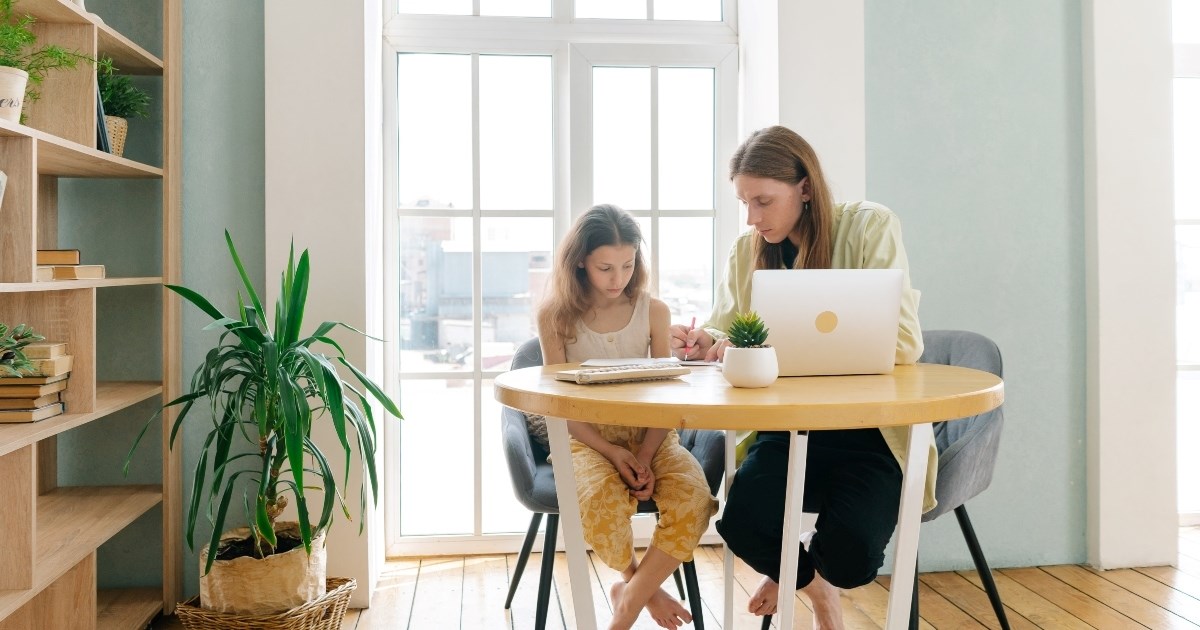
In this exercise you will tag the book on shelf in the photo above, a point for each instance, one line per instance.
(30, 403)
(32, 415)
(31, 391)
(45, 350)
(58, 366)
(58, 257)
(32, 380)
(102, 141)
(78, 272)
(68, 272)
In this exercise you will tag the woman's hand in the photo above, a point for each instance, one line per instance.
(689, 343)
(717, 351)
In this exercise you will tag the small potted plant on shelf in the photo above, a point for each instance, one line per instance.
(24, 63)
(749, 361)
(267, 387)
(121, 100)
(12, 358)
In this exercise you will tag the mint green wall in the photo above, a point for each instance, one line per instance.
(117, 223)
(974, 137)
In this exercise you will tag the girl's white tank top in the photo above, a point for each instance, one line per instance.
(631, 341)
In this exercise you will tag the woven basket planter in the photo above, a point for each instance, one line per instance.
(324, 613)
(117, 128)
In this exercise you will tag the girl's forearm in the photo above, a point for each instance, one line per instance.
(586, 433)
(650, 443)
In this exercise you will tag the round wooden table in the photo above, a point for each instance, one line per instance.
(913, 396)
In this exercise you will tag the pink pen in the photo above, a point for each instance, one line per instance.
(687, 350)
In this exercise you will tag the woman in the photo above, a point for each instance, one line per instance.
(852, 477)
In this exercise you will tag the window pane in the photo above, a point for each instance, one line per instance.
(434, 131)
(621, 137)
(516, 264)
(437, 467)
(439, 7)
(707, 10)
(436, 329)
(1186, 19)
(501, 511)
(515, 8)
(1187, 283)
(1187, 147)
(685, 267)
(614, 9)
(515, 125)
(1187, 392)
(685, 138)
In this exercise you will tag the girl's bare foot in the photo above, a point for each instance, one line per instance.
(664, 609)
(765, 599)
(826, 604)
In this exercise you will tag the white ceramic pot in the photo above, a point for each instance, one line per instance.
(750, 367)
(12, 92)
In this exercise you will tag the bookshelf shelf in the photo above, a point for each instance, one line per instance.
(63, 285)
(71, 524)
(126, 55)
(111, 396)
(127, 608)
(64, 158)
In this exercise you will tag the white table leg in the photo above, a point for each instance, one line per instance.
(730, 464)
(793, 509)
(572, 524)
(908, 527)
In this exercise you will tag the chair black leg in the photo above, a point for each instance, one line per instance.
(914, 611)
(545, 584)
(766, 622)
(679, 585)
(522, 558)
(693, 589)
(981, 565)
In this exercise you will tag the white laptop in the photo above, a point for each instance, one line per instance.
(825, 322)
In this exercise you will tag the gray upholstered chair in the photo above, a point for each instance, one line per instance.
(967, 450)
(533, 484)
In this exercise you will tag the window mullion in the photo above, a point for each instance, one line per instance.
(654, 235)
(477, 296)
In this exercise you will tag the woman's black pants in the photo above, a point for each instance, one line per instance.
(851, 481)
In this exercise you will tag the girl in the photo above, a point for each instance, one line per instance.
(852, 478)
(598, 307)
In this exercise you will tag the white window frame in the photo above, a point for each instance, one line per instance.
(1187, 66)
(573, 47)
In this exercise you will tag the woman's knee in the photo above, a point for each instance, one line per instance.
(846, 560)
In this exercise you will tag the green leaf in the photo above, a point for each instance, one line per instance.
(237, 262)
(374, 389)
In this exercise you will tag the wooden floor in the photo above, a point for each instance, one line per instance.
(467, 593)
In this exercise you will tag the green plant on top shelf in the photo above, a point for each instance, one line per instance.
(12, 359)
(119, 95)
(19, 49)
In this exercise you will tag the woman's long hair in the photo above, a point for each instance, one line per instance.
(781, 154)
(567, 300)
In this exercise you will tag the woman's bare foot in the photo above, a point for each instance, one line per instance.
(664, 609)
(826, 604)
(765, 599)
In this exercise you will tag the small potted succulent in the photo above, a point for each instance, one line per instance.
(749, 361)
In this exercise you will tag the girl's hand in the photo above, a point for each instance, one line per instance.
(632, 472)
(647, 490)
(689, 343)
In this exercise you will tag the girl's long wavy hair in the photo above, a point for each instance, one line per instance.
(781, 154)
(567, 300)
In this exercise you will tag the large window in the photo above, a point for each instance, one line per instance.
(505, 120)
(1186, 21)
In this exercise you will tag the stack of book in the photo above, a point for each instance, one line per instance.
(63, 264)
(39, 395)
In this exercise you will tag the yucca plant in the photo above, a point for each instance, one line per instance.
(267, 386)
(747, 330)
(12, 359)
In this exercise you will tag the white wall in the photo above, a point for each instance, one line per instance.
(1128, 190)
(323, 183)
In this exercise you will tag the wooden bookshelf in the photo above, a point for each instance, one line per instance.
(48, 552)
